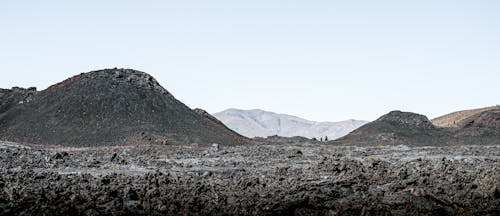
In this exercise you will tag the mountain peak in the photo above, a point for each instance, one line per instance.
(115, 76)
(406, 118)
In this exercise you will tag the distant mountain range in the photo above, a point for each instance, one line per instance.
(260, 123)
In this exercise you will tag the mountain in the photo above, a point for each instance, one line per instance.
(480, 128)
(406, 128)
(456, 119)
(260, 123)
(106, 107)
(397, 128)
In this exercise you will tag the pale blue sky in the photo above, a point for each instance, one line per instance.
(322, 60)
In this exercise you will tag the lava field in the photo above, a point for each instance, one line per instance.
(275, 179)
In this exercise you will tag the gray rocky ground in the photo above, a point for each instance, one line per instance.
(300, 179)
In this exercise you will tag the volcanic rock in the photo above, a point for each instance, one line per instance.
(275, 139)
(481, 128)
(106, 107)
(16, 95)
(406, 119)
(286, 179)
(487, 119)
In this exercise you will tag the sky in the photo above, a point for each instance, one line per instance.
(320, 60)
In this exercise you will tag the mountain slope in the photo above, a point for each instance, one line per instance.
(405, 128)
(480, 128)
(397, 128)
(106, 107)
(456, 119)
(260, 123)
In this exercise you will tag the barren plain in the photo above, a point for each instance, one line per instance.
(291, 179)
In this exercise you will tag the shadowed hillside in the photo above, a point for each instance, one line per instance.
(106, 107)
(397, 128)
(404, 128)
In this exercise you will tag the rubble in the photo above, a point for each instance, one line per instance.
(290, 179)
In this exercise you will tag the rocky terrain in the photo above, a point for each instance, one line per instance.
(291, 179)
(115, 142)
(106, 107)
(260, 123)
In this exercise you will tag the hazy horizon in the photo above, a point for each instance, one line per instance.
(318, 60)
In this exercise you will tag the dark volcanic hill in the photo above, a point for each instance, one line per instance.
(106, 107)
(405, 128)
(397, 128)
